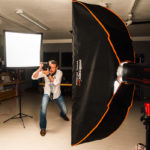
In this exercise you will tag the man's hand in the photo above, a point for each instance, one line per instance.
(37, 72)
(41, 66)
(47, 72)
(50, 72)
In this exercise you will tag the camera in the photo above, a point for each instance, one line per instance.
(46, 65)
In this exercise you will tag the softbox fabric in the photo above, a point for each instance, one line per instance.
(100, 43)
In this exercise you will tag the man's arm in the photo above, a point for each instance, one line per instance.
(51, 78)
(36, 75)
(56, 80)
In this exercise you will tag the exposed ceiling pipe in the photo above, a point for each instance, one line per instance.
(103, 4)
(135, 3)
(129, 20)
(131, 13)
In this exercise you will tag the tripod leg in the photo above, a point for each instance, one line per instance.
(14, 117)
(22, 122)
(25, 115)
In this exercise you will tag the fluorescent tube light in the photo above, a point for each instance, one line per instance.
(24, 15)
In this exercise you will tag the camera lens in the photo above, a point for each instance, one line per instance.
(45, 66)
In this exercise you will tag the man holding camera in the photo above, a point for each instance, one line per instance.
(52, 76)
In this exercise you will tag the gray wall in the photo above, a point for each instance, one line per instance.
(66, 47)
(143, 48)
(45, 48)
(57, 47)
(139, 47)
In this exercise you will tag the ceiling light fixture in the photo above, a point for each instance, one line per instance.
(27, 17)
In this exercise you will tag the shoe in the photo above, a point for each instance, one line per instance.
(43, 132)
(66, 118)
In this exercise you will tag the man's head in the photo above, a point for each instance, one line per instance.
(53, 65)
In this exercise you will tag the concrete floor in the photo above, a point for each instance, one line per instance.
(14, 137)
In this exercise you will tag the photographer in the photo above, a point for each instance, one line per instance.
(52, 76)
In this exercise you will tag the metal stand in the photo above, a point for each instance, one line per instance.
(20, 115)
(147, 124)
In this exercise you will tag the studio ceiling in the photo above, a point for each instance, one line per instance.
(57, 16)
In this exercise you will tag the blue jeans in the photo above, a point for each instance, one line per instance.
(45, 100)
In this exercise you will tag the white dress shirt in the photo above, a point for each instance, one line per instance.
(51, 87)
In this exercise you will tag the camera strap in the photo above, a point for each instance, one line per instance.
(51, 96)
(53, 74)
(51, 93)
(51, 86)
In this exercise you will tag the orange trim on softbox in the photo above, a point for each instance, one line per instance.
(85, 137)
(108, 35)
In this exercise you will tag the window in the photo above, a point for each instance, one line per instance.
(67, 76)
(51, 56)
(66, 59)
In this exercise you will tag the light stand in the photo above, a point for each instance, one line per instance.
(20, 115)
(146, 119)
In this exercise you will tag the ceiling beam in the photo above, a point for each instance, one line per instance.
(57, 41)
(141, 38)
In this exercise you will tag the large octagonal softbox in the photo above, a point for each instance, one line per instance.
(100, 43)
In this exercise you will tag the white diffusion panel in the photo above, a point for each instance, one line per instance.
(22, 50)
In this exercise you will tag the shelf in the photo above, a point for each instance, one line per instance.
(7, 83)
(7, 94)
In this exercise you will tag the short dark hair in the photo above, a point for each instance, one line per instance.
(53, 62)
